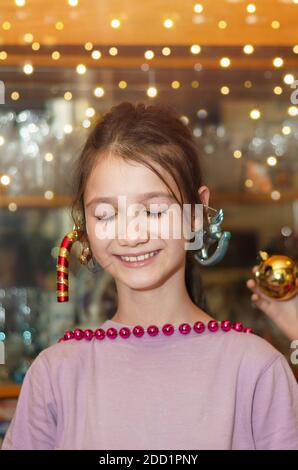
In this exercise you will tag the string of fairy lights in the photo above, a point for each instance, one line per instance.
(168, 23)
(225, 62)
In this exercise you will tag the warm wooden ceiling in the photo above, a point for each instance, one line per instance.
(142, 28)
(142, 22)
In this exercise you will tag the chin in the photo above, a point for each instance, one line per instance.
(145, 282)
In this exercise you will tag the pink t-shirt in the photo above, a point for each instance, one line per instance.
(222, 390)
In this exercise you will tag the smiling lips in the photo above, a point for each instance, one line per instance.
(137, 261)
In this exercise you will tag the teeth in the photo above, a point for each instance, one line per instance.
(139, 258)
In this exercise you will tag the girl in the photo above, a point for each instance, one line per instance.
(162, 373)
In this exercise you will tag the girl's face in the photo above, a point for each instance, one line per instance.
(137, 223)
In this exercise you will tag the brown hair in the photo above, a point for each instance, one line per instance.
(149, 135)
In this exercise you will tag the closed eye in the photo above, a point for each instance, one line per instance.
(152, 214)
(156, 214)
(105, 219)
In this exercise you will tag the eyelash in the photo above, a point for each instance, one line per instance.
(154, 214)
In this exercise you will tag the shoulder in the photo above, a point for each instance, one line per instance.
(57, 358)
(253, 362)
(249, 349)
(66, 351)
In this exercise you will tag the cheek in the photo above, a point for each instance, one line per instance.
(89, 228)
(98, 236)
(99, 247)
(171, 226)
(91, 231)
(174, 254)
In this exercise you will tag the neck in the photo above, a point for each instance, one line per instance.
(166, 303)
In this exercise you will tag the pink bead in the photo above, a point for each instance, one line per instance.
(213, 326)
(138, 331)
(152, 330)
(124, 332)
(199, 327)
(226, 325)
(88, 334)
(237, 326)
(68, 335)
(248, 330)
(184, 328)
(112, 333)
(168, 329)
(61, 340)
(78, 334)
(100, 334)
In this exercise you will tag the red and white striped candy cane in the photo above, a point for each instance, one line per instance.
(63, 264)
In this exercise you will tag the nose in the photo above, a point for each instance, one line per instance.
(135, 234)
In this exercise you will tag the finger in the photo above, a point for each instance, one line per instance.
(251, 284)
(255, 268)
(261, 302)
(259, 296)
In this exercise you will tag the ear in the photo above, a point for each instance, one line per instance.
(204, 195)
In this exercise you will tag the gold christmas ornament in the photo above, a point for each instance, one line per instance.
(86, 255)
(277, 276)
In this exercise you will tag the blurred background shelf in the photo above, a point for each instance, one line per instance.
(9, 390)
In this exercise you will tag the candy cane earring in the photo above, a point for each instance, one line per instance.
(62, 266)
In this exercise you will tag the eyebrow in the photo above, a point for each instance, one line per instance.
(141, 197)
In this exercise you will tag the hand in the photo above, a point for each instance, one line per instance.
(284, 313)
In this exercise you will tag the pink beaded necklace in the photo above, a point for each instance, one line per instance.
(153, 330)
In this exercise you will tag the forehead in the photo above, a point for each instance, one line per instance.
(112, 176)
